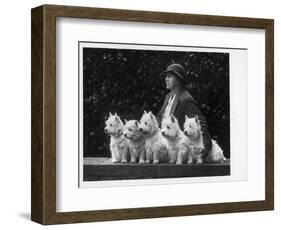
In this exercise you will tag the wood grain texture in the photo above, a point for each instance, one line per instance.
(37, 116)
(269, 116)
(43, 160)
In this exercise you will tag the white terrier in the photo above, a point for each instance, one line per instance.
(216, 154)
(192, 129)
(178, 147)
(155, 144)
(135, 140)
(119, 146)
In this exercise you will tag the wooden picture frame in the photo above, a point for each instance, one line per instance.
(43, 160)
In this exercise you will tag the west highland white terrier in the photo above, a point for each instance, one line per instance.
(216, 154)
(155, 144)
(119, 146)
(178, 147)
(192, 129)
(135, 139)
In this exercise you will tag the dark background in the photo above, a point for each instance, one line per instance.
(130, 81)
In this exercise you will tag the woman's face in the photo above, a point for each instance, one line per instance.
(171, 81)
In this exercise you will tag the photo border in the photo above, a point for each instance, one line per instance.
(156, 181)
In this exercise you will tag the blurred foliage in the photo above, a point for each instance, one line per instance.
(131, 81)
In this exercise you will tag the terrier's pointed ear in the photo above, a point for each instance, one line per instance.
(144, 112)
(119, 120)
(125, 120)
(150, 114)
(197, 119)
(115, 114)
(173, 118)
(110, 114)
(186, 117)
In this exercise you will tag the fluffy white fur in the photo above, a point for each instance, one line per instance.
(192, 129)
(155, 144)
(216, 153)
(135, 140)
(119, 146)
(177, 142)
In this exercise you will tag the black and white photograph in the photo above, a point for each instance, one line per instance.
(150, 113)
(145, 114)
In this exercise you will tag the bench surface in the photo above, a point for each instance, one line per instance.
(101, 168)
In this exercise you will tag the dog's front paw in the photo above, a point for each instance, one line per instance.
(199, 161)
(133, 161)
(124, 161)
(189, 161)
(179, 162)
(141, 161)
(155, 161)
(147, 161)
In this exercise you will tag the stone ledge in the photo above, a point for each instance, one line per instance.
(104, 169)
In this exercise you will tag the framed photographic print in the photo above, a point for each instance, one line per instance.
(139, 114)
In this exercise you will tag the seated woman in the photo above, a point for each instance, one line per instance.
(179, 103)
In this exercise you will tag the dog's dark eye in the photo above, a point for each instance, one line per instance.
(145, 123)
(110, 124)
(130, 129)
(168, 127)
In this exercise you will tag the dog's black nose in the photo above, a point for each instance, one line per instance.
(105, 130)
(185, 132)
(140, 129)
(163, 132)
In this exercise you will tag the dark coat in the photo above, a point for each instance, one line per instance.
(185, 104)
